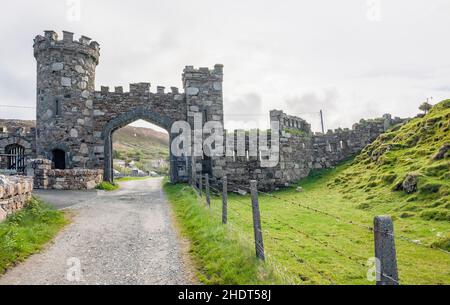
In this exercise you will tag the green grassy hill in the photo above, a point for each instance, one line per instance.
(407, 169)
(140, 145)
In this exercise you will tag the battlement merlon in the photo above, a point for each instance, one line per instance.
(139, 89)
(50, 42)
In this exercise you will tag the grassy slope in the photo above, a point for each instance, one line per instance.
(27, 231)
(382, 166)
(317, 249)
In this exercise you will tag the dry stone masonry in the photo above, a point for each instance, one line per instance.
(72, 143)
(15, 191)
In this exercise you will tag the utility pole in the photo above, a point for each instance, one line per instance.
(321, 121)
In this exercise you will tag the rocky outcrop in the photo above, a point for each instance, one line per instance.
(443, 152)
(409, 185)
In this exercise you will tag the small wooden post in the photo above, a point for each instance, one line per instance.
(259, 245)
(208, 195)
(385, 251)
(224, 201)
(200, 185)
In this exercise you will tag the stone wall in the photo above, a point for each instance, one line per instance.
(69, 179)
(15, 191)
(302, 152)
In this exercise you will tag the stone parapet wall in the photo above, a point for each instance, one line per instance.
(74, 179)
(64, 179)
(15, 191)
(301, 153)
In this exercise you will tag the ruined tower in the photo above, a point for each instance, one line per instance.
(65, 93)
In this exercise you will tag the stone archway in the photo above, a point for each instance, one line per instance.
(125, 119)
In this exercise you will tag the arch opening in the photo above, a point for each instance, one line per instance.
(125, 119)
(140, 149)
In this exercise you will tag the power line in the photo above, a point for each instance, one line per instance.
(19, 106)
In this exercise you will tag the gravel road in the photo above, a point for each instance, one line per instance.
(120, 237)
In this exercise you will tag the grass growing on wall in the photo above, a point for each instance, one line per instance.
(221, 257)
(27, 231)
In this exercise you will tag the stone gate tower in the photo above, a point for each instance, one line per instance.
(65, 92)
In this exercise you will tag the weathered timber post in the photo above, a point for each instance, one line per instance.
(208, 195)
(259, 245)
(385, 254)
(224, 200)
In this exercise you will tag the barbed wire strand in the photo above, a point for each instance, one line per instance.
(269, 258)
(315, 270)
(338, 218)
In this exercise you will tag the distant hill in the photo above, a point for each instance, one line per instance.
(140, 145)
(11, 124)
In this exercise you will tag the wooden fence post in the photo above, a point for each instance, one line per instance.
(224, 200)
(259, 245)
(385, 254)
(208, 195)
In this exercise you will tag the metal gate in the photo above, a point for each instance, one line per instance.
(14, 159)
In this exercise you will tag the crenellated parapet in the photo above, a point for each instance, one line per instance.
(290, 122)
(84, 45)
(138, 90)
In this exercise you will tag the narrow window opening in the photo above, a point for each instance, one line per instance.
(57, 107)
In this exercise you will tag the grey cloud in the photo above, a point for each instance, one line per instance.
(313, 102)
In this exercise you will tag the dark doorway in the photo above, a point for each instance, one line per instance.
(16, 157)
(59, 158)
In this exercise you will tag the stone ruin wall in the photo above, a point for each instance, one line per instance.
(15, 191)
(305, 151)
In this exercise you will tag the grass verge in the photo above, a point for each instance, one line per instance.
(220, 255)
(124, 179)
(27, 231)
(107, 186)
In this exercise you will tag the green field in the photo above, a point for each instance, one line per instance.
(310, 248)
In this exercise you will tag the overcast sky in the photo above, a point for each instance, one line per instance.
(344, 57)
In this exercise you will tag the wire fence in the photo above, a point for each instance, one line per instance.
(385, 256)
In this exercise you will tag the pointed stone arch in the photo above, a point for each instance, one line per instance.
(122, 121)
